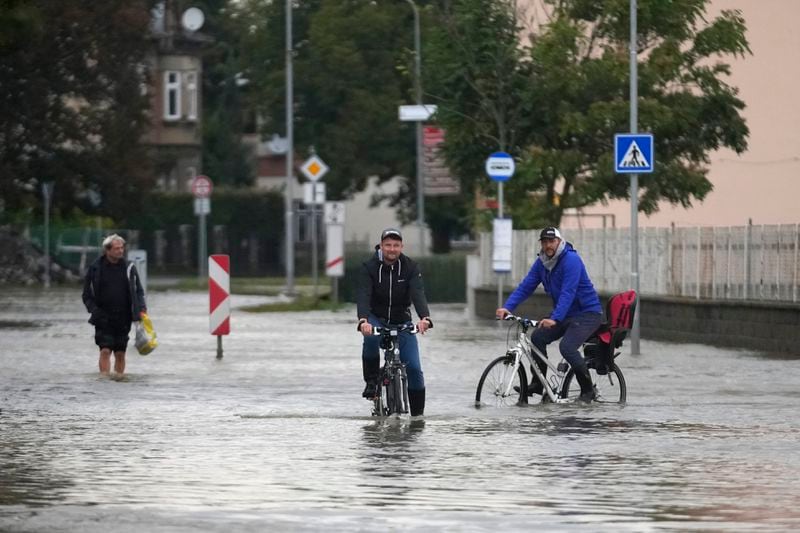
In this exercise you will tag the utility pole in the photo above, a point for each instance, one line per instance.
(47, 194)
(289, 199)
(634, 111)
(420, 167)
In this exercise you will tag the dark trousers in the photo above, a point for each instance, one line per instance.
(572, 331)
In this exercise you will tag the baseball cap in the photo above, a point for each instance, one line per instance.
(393, 233)
(550, 233)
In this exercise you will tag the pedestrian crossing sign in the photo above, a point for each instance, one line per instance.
(633, 153)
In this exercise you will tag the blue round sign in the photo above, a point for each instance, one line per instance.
(500, 166)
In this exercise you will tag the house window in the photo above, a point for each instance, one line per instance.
(172, 95)
(191, 95)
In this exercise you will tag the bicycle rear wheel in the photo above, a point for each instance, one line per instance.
(501, 385)
(610, 388)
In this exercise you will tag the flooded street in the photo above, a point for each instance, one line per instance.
(275, 436)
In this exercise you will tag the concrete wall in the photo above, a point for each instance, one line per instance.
(763, 326)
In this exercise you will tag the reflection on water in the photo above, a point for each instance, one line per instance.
(276, 437)
(390, 445)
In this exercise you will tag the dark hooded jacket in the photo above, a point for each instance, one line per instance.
(387, 291)
(92, 284)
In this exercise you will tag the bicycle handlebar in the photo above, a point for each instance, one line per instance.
(394, 331)
(526, 322)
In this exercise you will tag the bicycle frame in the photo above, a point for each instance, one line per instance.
(393, 369)
(533, 355)
(505, 378)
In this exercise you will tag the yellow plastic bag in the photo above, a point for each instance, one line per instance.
(146, 340)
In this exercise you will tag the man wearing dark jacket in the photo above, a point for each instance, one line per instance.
(389, 283)
(576, 314)
(113, 294)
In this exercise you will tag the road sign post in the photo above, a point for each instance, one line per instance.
(418, 114)
(201, 189)
(314, 168)
(334, 245)
(47, 195)
(500, 167)
(634, 155)
(219, 289)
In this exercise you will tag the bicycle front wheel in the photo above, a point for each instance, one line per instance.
(389, 395)
(502, 385)
(379, 407)
(610, 388)
(399, 395)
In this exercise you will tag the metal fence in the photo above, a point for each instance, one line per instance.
(737, 263)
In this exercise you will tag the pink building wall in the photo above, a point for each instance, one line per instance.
(764, 182)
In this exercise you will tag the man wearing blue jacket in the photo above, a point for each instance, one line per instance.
(576, 314)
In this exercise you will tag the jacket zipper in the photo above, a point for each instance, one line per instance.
(389, 312)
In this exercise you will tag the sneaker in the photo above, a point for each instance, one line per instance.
(370, 391)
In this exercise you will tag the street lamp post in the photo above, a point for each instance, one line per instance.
(418, 84)
(634, 117)
(289, 199)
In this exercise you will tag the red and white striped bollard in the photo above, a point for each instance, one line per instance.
(219, 289)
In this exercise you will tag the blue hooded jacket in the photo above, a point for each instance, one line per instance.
(568, 284)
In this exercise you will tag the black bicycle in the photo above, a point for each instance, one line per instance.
(392, 398)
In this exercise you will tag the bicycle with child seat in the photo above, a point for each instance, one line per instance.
(392, 397)
(505, 381)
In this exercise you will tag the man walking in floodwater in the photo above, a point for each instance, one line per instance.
(113, 294)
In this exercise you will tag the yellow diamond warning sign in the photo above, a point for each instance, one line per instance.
(314, 168)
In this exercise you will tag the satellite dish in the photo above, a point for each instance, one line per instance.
(192, 19)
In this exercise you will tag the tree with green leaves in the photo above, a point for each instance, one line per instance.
(226, 158)
(353, 67)
(570, 82)
(477, 74)
(347, 84)
(72, 107)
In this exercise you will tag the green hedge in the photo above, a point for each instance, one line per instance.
(244, 213)
(445, 277)
(241, 211)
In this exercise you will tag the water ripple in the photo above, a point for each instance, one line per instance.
(276, 437)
